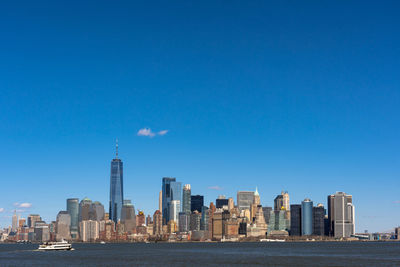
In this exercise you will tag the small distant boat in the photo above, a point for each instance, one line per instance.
(63, 245)
(102, 242)
(272, 240)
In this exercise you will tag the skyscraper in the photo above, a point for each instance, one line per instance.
(285, 200)
(341, 215)
(171, 190)
(116, 188)
(186, 198)
(306, 217)
(319, 220)
(160, 201)
(278, 203)
(245, 199)
(63, 226)
(196, 203)
(14, 222)
(73, 211)
(221, 201)
(174, 209)
(84, 209)
(128, 216)
(295, 219)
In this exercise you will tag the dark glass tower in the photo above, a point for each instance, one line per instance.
(116, 188)
(171, 190)
(197, 203)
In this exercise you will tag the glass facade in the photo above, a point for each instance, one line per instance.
(295, 219)
(116, 190)
(171, 190)
(197, 203)
(73, 211)
(186, 200)
(306, 217)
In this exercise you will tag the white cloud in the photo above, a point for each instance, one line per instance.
(215, 187)
(1, 209)
(25, 205)
(396, 202)
(146, 132)
(163, 132)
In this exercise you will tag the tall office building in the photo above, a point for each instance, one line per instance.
(128, 217)
(221, 201)
(186, 198)
(278, 203)
(319, 220)
(14, 226)
(285, 200)
(231, 204)
(116, 188)
(306, 217)
(89, 230)
(204, 218)
(96, 211)
(73, 211)
(157, 223)
(174, 209)
(32, 219)
(63, 226)
(84, 209)
(196, 203)
(245, 199)
(277, 221)
(295, 219)
(341, 215)
(171, 190)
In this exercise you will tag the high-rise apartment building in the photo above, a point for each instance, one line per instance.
(295, 220)
(157, 223)
(341, 215)
(116, 188)
(196, 203)
(245, 199)
(73, 211)
(89, 230)
(186, 198)
(306, 217)
(184, 221)
(171, 190)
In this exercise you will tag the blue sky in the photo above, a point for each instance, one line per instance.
(283, 95)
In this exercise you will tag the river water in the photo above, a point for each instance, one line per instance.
(207, 254)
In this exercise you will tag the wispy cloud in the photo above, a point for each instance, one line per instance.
(396, 202)
(215, 187)
(163, 132)
(1, 209)
(149, 133)
(25, 205)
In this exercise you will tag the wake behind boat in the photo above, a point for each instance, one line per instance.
(63, 245)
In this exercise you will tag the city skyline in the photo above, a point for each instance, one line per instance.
(297, 97)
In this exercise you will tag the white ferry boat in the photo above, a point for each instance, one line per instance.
(63, 245)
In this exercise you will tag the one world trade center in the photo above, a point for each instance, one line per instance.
(116, 188)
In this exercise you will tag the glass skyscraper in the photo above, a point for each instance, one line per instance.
(73, 211)
(171, 190)
(116, 188)
(307, 217)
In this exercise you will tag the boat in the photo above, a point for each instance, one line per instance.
(62, 245)
(272, 240)
(102, 242)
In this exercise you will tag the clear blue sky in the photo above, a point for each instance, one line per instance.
(296, 95)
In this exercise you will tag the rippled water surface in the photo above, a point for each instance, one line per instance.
(207, 254)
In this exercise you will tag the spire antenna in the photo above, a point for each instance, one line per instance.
(116, 146)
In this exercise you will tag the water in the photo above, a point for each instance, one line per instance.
(207, 254)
